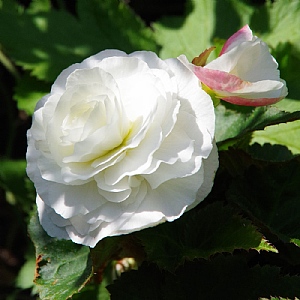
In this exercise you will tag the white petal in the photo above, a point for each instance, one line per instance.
(107, 212)
(166, 203)
(91, 62)
(260, 89)
(137, 159)
(174, 164)
(108, 228)
(69, 201)
(210, 166)
(152, 60)
(48, 219)
(256, 63)
(80, 225)
(195, 100)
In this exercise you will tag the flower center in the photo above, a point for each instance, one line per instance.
(94, 127)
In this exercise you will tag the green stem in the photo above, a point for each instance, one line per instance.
(7, 63)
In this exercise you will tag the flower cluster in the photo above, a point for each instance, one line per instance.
(124, 142)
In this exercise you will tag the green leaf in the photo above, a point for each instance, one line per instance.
(266, 246)
(296, 242)
(37, 6)
(39, 45)
(62, 267)
(26, 274)
(28, 91)
(188, 35)
(198, 234)
(204, 21)
(46, 42)
(270, 195)
(12, 176)
(234, 122)
(269, 152)
(13, 179)
(223, 277)
(283, 17)
(282, 134)
(106, 19)
(288, 58)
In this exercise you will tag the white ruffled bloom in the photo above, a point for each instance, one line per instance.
(122, 142)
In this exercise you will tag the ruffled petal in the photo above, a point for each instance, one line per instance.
(242, 35)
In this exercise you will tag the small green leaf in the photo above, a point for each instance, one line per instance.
(26, 274)
(62, 267)
(296, 242)
(266, 246)
(198, 234)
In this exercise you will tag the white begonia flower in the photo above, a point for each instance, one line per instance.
(122, 142)
(245, 73)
